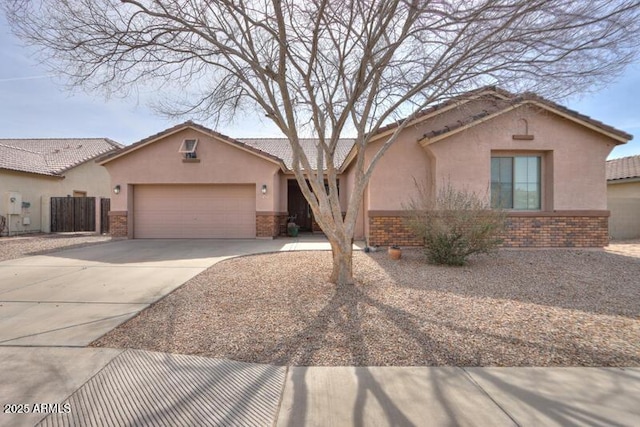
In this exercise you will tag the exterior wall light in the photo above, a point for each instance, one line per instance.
(116, 189)
(264, 188)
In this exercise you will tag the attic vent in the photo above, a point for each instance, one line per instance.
(188, 148)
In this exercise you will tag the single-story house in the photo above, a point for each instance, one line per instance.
(623, 197)
(542, 162)
(34, 170)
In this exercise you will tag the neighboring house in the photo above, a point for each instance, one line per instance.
(34, 170)
(541, 161)
(623, 197)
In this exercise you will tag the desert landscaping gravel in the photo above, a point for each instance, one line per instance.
(512, 308)
(21, 246)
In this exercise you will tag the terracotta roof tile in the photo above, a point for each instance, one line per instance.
(491, 100)
(625, 167)
(51, 156)
(281, 148)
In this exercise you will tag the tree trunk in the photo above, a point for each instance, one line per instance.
(342, 273)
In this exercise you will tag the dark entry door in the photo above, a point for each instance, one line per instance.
(298, 206)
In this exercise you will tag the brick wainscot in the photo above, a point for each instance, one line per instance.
(118, 224)
(271, 224)
(523, 229)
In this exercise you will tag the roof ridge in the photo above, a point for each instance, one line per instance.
(21, 149)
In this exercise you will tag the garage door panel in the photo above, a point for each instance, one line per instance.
(194, 211)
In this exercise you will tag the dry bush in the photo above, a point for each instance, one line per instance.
(455, 224)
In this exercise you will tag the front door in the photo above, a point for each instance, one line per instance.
(298, 206)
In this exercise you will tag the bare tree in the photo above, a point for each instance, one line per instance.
(327, 67)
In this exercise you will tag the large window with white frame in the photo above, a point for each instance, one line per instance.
(515, 182)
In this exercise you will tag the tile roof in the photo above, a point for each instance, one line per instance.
(280, 147)
(277, 149)
(625, 167)
(495, 91)
(476, 105)
(436, 120)
(177, 128)
(51, 156)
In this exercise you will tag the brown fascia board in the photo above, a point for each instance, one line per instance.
(189, 124)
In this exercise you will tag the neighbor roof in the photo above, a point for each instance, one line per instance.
(623, 168)
(51, 156)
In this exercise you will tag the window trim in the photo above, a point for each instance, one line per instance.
(541, 184)
(183, 147)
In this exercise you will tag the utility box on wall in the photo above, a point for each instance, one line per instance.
(13, 203)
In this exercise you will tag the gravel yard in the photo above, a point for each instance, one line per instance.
(513, 308)
(21, 246)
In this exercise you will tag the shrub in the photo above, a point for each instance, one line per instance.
(454, 224)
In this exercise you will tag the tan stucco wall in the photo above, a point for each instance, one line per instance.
(573, 161)
(88, 177)
(624, 203)
(220, 163)
(392, 183)
(624, 189)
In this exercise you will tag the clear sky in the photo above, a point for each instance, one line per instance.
(34, 104)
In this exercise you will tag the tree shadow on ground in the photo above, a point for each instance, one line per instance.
(586, 280)
(343, 315)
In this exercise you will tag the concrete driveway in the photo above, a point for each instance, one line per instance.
(72, 297)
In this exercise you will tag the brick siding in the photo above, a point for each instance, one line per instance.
(391, 230)
(522, 230)
(556, 231)
(118, 224)
(270, 224)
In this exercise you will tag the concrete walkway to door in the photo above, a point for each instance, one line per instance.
(72, 297)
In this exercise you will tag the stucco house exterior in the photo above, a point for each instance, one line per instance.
(34, 170)
(542, 162)
(623, 197)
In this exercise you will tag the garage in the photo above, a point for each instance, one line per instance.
(194, 211)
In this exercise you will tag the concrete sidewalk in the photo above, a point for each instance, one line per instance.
(109, 387)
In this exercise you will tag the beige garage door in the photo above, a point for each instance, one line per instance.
(194, 211)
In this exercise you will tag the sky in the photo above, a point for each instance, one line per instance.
(35, 104)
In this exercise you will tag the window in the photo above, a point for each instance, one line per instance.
(188, 148)
(515, 182)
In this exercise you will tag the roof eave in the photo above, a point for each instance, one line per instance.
(49, 175)
(446, 106)
(198, 128)
(620, 138)
(623, 180)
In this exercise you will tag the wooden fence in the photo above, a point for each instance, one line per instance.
(73, 214)
(105, 206)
